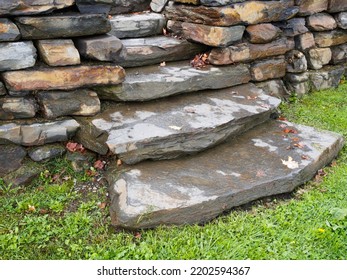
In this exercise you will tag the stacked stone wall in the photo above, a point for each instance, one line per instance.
(57, 56)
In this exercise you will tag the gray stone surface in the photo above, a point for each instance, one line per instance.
(321, 22)
(17, 108)
(3, 90)
(62, 26)
(196, 189)
(339, 54)
(17, 55)
(11, 158)
(94, 6)
(305, 41)
(296, 62)
(152, 82)
(318, 57)
(216, 3)
(46, 152)
(126, 6)
(158, 5)
(137, 25)
(81, 102)
(24, 175)
(154, 50)
(327, 77)
(330, 38)
(341, 20)
(293, 27)
(267, 69)
(177, 126)
(274, 88)
(37, 133)
(299, 89)
(8, 30)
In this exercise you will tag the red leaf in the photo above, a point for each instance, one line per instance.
(99, 165)
(75, 147)
(290, 130)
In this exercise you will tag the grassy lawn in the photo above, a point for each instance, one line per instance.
(63, 215)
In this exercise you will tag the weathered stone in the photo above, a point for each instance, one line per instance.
(305, 41)
(339, 54)
(3, 90)
(58, 52)
(94, 6)
(30, 7)
(274, 88)
(250, 12)
(64, 26)
(24, 175)
(248, 52)
(17, 55)
(293, 27)
(337, 6)
(82, 102)
(214, 36)
(17, 108)
(137, 25)
(318, 57)
(263, 33)
(216, 3)
(297, 78)
(101, 48)
(158, 5)
(193, 2)
(154, 50)
(126, 6)
(198, 188)
(341, 20)
(46, 152)
(63, 77)
(330, 38)
(321, 22)
(11, 158)
(296, 62)
(8, 30)
(152, 82)
(268, 69)
(20, 93)
(36, 134)
(328, 77)
(299, 89)
(181, 125)
(309, 7)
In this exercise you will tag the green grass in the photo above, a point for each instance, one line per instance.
(67, 223)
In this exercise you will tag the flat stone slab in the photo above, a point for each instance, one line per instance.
(8, 30)
(137, 25)
(177, 126)
(196, 189)
(152, 82)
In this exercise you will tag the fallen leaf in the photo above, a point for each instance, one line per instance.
(199, 61)
(295, 139)
(164, 32)
(163, 64)
(290, 130)
(290, 163)
(91, 172)
(99, 165)
(283, 126)
(305, 157)
(119, 162)
(137, 235)
(251, 97)
(43, 211)
(175, 127)
(299, 145)
(31, 208)
(102, 205)
(75, 147)
(281, 118)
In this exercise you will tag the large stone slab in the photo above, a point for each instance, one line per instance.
(17, 108)
(154, 50)
(37, 133)
(30, 7)
(8, 30)
(137, 25)
(330, 38)
(177, 126)
(250, 12)
(196, 189)
(63, 77)
(152, 82)
(215, 36)
(17, 55)
(62, 26)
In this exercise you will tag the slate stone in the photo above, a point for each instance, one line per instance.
(318, 57)
(327, 77)
(337, 6)
(3, 90)
(152, 82)
(321, 22)
(238, 13)
(82, 102)
(263, 33)
(58, 52)
(62, 26)
(296, 62)
(341, 20)
(11, 158)
(8, 30)
(25, 175)
(274, 88)
(101, 48)
(176, 126)
(17, 108)
(216, 3)
(126, 6)
(158, 5)
(46, 152)
(137, 25)
(154, 50)
(339, 54)
(330, 38)
(305, 41)
(30, 7)
(17, 55)
(268, 69)
(293, 27)
(94, 6)
(37, 133)
(215, 36)
(64, 78)
(310, 7)
(198, 188)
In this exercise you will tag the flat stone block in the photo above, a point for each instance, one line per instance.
(310, 7)
(293, 27)
(296, 62)
(268, 69)
(126, 6)
(17, 108)
(339, 54)
(321, 22)
(263, 33)
(17, 55)
(318, 57)
(337, 6)
(8, 31)
(198, 188)
(330, 38)
(305, 41)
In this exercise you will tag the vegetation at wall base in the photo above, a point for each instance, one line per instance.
(64, 215)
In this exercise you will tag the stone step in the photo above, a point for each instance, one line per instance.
(177, 125)
(153, 82)
(270, 159)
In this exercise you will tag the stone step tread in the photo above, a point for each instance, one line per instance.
(153, 82)
(178, 125)
(197, 188)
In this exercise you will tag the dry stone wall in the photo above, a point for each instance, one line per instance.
(59, 59)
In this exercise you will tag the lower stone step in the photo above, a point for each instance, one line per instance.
(272, 158)
(178, 125)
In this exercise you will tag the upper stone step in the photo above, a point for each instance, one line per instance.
(153, 82)
(175, 126)
(271, 159)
